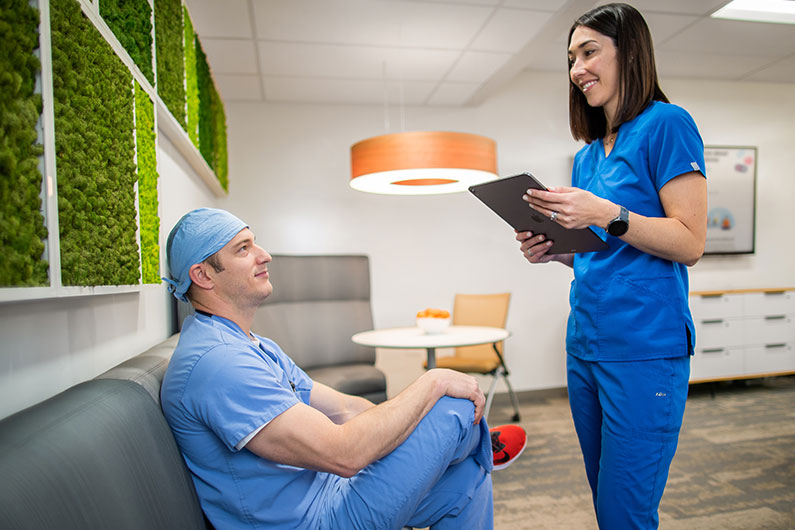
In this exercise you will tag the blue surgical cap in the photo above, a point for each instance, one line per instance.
(197, 236)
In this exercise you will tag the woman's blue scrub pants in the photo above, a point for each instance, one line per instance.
(439, 477)
(627, 416)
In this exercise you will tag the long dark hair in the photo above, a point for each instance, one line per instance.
(637, 74)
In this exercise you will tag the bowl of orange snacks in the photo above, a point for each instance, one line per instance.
(433, 321)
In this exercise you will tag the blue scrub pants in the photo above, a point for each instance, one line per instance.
(440, 477)
(627, 416)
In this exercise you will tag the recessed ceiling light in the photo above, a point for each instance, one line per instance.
(776, 11)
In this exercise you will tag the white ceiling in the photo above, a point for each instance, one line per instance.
(452, 52)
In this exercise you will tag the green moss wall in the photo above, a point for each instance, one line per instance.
(95, 153)
(147, 186)
(206, 119)
(105, 137)
(220, 163)
(191, 81)
(212, 119)
(131, 23)
(170, 57)
(22, 227)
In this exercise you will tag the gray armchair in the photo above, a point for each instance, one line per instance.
(318, 303)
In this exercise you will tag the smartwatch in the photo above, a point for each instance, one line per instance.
(619, 226)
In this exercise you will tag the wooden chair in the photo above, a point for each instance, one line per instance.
(487, 359)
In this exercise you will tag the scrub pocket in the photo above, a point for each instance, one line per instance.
(640, 318)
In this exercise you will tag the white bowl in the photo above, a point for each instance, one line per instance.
(433, 326)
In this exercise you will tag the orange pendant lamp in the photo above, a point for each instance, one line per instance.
(422, 162)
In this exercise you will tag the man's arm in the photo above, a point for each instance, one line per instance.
(304, 436)
(338, 407)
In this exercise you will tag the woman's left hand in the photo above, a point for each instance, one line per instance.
(572, 207)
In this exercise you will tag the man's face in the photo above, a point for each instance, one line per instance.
(245, 279)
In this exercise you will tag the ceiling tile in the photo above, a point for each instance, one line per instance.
(549, 58)
(212, 18)
(371, 22)
(509, 30)
(357, 62)
(453, 94)
(238, 87)
(663, 26)
(344, 91)
(683, 7)
(536, 5)
(781, 71)
(466, 2)
(444, 52)
(231, 56)
(706, 66)
(477, 67)
(730, 37)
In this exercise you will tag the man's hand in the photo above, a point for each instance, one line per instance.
(458, 385)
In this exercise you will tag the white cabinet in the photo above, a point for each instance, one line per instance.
(742, 334)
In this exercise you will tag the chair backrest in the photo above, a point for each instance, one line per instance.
(480, 310)
(318, 303)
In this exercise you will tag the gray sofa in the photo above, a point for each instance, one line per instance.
(99, 455)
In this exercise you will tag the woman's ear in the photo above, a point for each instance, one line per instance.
(198, 275)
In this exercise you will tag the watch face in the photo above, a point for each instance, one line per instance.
(618, 227)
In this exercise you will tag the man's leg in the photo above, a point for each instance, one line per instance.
(440, 472)
(462, 498)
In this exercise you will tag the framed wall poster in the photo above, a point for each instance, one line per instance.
(731, 199)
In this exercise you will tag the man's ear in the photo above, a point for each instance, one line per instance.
(198, 275)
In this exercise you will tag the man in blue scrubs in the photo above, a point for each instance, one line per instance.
(269, 447)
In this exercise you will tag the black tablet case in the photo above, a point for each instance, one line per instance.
(504, 197)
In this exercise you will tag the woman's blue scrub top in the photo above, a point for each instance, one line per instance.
(626, 304)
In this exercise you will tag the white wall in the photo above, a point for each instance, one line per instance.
(290, 166)
(50, 345)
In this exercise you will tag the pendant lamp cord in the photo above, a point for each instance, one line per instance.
(386, 98)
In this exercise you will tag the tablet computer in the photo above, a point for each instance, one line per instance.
(504, 197)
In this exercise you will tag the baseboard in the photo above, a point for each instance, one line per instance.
(525, 396)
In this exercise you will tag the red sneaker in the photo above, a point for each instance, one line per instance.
(507, 443)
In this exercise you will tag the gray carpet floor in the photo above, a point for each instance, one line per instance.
(734, 469)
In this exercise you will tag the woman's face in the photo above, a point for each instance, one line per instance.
(593, 67)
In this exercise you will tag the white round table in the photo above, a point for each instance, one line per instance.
(414, 337)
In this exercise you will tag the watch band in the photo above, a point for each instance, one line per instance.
(619, 226)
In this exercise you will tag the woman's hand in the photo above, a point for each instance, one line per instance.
(679, 236)
(572, 207)
(534, 249)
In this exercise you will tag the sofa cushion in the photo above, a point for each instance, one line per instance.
(357, 379)
(99, 455)
(317, 333)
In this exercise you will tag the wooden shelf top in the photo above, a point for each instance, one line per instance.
(740, 291)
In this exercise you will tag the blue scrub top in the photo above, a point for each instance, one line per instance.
(626, 304)
(220, 386)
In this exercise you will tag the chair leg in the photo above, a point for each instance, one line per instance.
(490, 397)
(514, 399)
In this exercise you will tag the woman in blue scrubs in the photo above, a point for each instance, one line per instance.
(639, 182)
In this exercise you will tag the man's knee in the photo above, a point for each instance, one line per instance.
(450, 424)
(459, 413)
